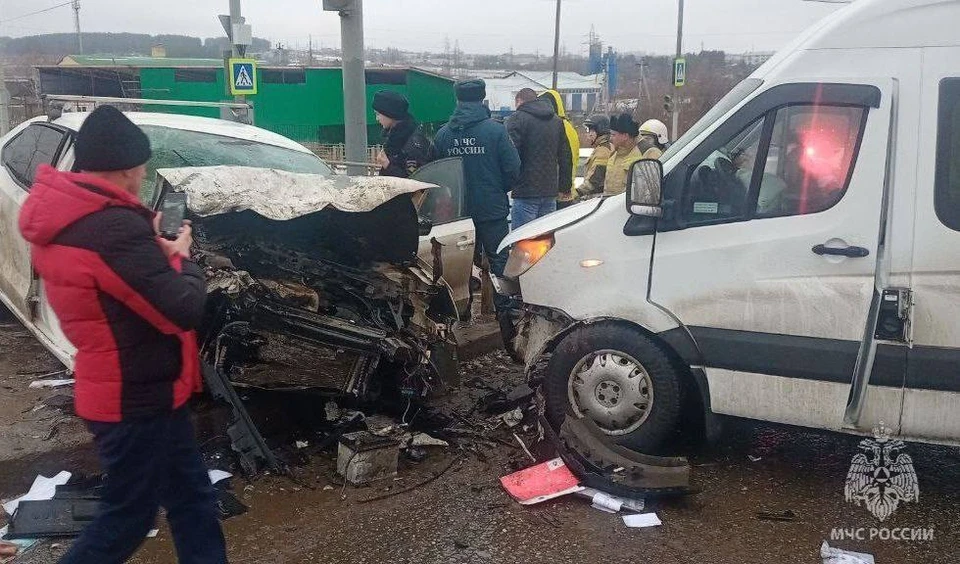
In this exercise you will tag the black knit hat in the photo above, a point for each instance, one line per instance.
(624, 123)
(600, 124)
(391, 104)
(471, 90)
(108, 141)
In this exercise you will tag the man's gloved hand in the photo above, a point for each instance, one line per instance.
(567, 196)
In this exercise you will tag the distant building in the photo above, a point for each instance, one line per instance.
(580, 93)
(303, 103)
(750, 58)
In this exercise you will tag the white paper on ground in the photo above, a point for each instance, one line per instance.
(153, 533)
(217, 475)
(837, 556)
(641, 520)
(42, 488)
(51, 383)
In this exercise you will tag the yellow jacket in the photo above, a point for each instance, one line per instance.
(599, 158)
(618, 167)
(572, 137)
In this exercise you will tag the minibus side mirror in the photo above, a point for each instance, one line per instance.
(644, 188)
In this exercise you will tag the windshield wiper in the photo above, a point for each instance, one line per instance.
(182, 158)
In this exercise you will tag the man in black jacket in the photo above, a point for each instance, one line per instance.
(405, 148)
(540, 137)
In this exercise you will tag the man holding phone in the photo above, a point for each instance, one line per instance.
(129, 301)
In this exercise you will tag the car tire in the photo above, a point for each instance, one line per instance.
(615, 364)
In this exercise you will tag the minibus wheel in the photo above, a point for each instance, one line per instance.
(619, 378)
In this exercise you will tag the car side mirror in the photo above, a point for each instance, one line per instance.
(426, 226)
(644, 188)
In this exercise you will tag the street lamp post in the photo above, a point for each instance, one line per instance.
(556, 47)
(676, 89)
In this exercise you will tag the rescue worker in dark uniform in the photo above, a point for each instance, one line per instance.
(491, 166)
(405, 147)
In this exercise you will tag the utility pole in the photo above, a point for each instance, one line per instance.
(76, 25)
(354, 81)
(676, 89)
(236, 19)
(4, 103)
(310, 53)
(556, 47)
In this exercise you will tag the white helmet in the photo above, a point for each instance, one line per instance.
(656, 128)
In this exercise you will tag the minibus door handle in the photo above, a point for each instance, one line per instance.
(851, 251)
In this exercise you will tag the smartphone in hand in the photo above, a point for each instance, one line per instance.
(174, 212)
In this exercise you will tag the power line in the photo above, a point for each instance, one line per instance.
(20, 17)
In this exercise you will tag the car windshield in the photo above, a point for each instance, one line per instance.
(727, 103)
(179, 148)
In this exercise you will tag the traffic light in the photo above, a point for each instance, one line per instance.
(668, 103)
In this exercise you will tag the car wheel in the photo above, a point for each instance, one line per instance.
(619, 378)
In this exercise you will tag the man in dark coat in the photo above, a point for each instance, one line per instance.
(129, 301)
(540, 137)
(491, 165)
(405, 148)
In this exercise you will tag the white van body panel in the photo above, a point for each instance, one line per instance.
(742, 276)
(931, 414)
(616, 288)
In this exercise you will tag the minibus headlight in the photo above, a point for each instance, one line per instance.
(525, 254)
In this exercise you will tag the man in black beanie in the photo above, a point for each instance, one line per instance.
(491, 165)
(623, 139)
(129, 301)
(405, 148)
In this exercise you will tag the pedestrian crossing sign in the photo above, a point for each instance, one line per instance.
(243, 73)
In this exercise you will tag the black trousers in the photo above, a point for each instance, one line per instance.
(149, 463)
(489, 235)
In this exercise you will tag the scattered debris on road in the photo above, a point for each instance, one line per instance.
(786, 515)
(837, 556)
(59, 383)
(548, 480)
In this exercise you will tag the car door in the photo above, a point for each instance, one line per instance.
(452, 232)
(768, 252)
(21, 152)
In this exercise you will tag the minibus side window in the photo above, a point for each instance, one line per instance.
(807, 154)
(947, 182)
(811, 156)
(717, 187)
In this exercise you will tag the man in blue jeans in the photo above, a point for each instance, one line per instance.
(540, 138)
(129, 301)
(490, 165)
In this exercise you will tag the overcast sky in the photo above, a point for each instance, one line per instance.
(480, 26)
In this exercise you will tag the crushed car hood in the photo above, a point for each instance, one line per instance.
(281, 195)
(356, 219)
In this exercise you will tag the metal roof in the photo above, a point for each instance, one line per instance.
(160, 62)
(565, 80)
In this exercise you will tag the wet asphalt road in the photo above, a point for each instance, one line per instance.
(464, 516)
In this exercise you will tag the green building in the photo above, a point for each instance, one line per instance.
(305, 104)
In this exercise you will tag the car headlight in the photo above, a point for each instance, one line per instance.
(525, 254)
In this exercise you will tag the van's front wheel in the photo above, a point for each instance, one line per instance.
(620, 379)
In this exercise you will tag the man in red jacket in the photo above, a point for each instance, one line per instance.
(129, 301)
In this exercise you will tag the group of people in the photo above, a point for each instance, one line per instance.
(533, 155)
